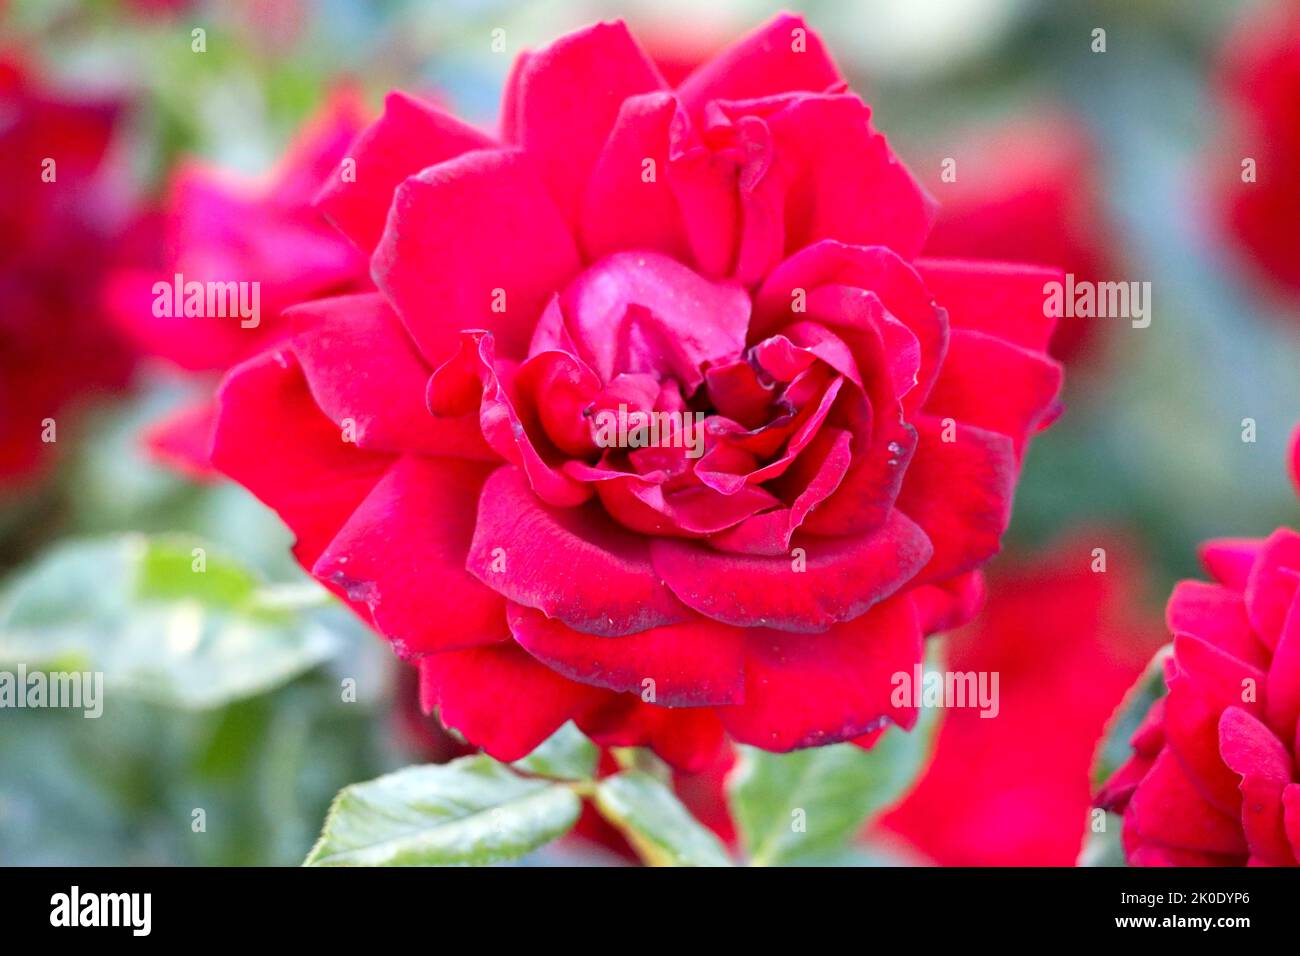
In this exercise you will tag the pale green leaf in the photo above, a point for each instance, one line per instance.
(565, 755)
(810, 803)
(163, 618)
(471, 811)
(654, 821)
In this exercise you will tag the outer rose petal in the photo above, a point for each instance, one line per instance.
(1265, 767)
(693, 664)
(468, 234)
(1217, 615)
(621, 210)
(1282, 691)
(1229, 560)
(1295, 460)
(411, 533)
(1273, 584)
(501, 699)
(960, 493)
(361, 366)
(574, 564)
(843, 577)
(271, 438)
(782, 56)
(183, 440)
(409, 136)
(1000, 299)
(565, 101)
(806, 690)
(689, 738)
(1028, 383)
(851, 188)
(950, 604)
(1196, 825)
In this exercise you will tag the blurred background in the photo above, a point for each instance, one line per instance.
(1122, 163)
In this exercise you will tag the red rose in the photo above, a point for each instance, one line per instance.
(1213, 776)
(57, 226)
(1262, 80)
(736, 256)
(1015, 790)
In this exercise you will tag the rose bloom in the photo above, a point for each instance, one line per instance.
(57, 230)
(1212, 779)
(1261, 79)
(217, 227)
(743, 247)
(1015, 790)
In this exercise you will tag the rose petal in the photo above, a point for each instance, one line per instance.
(1265, 767)
(567, 99)
(960, 493)
(1028, 383)
(473, 243)
(411, 532)
(573, 563)
(409, 136)
(842, 577)
(999, 299)
(806, 690)
(1273, 583)
(362, 368)
(692, 664)
(627, 204)
(1196, 826)
(183, 440)
(1217, 615)
(478, 692)
(781, 56)
(271, 438)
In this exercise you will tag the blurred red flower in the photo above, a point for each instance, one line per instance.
(214, 227)
(1261, 78)
(1066, 641)
(1028, 191)
(58, 223)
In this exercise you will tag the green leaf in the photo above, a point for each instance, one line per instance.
(1104, 848)
(566, 755)
(1114, 750)
(654, 821)
(163, 618)
(471, 811)
(837, 788)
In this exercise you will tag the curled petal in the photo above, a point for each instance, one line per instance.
(363, 370)
(692, 664)
(572, 563)
(835, 579)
